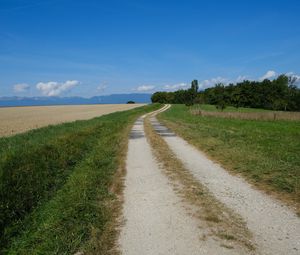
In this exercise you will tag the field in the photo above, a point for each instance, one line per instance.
(265, 152)
(59, 185)
(244, 113)
(15, 120)
(63, 186)
(212, 108)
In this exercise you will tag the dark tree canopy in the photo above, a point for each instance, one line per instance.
(278, 94)
(195, 86)
(182, 96)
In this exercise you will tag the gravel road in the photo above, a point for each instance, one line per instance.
(155, 218)
(276, 229)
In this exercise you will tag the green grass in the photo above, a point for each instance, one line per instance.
(55, 184)
(212, 108)
(266, 152)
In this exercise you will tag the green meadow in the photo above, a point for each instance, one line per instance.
(55, 184)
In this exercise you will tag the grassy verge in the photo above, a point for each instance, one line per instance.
(56, 185)
(265, 152)
(217, 220)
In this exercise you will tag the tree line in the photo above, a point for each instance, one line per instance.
(188, 96)
(278, 94)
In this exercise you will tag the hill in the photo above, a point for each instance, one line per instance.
(108, 99)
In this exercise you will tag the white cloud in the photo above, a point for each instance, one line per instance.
(295, 77)
(241, 78)
(176, 86)
(290, 74)
(211, 82)
(21, 87)
(54, 88)
(268, 75)
(144, 88)
(101, 87)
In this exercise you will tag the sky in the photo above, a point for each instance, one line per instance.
(88, 47)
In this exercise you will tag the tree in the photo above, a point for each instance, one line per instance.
(161, 97)
(192, 93)
(278, 94)
(220, 96)
(195, 86)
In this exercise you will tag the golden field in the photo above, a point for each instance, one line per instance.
(15, 120)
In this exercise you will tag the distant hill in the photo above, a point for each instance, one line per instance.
(109, 99)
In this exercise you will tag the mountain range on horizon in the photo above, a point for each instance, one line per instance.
(43, 101)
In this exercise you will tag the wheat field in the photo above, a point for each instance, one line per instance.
(15, 120)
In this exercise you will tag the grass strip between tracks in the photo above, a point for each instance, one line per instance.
(215, 219)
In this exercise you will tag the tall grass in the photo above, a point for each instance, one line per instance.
(55, 184)
(266, 152)
(213, 108)
(245, 115)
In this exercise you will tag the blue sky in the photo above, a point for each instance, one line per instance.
(89, 47)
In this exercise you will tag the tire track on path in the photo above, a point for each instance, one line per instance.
(155, 218)
(275, 227)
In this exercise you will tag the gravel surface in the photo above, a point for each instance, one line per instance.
(275, 227)
(155, 218)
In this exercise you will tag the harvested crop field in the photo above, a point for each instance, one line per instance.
(15, 120)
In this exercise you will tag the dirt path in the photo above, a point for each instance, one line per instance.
(276, 229)
(155, 218)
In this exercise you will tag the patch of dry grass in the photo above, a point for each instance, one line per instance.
(267, 115)
(221, 222)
